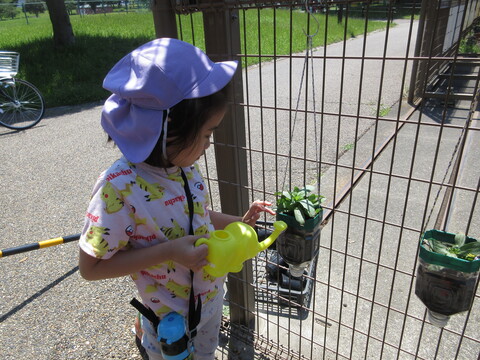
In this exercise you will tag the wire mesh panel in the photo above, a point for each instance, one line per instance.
(374, 104)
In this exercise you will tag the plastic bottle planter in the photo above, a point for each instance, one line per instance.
(277, 272)
(298, 245)
(445, 284)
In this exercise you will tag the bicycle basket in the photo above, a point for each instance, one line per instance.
(9, 61)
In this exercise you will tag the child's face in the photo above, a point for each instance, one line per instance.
(192, 153)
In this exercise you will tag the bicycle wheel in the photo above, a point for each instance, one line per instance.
(21, 104)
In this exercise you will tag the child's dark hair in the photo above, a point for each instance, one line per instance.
(186, 119)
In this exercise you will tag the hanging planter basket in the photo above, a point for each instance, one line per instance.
(445, 283)
(301, 210)
(299, 244)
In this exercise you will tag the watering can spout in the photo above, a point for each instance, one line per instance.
(278, 228)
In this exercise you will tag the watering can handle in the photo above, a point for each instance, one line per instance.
(201, 241)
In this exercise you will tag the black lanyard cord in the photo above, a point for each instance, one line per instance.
(194, 313)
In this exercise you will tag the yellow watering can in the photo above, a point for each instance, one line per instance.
(228, 249)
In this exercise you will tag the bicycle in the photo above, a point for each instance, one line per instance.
(21, 104)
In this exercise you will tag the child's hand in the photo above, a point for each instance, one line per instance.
(253, 214)
(184, 252)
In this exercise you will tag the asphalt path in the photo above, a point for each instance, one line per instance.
(47, 310)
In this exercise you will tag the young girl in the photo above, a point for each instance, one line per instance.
(167, 100)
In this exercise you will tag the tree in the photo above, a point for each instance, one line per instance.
(8, 10)
(35, 7)
(71, 7)
(62, 28)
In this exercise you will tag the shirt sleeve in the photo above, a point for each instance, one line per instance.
(108, 222)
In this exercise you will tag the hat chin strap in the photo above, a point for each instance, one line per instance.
(164, 132)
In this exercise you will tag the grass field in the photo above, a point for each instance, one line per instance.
(74, 75)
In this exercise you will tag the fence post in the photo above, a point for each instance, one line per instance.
(164, 19)
(222, 41)
(24, 12)
(431, 35)
(417, 78)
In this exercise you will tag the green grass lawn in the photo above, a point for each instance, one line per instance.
(74, 75)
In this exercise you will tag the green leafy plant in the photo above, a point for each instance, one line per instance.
(303, 204)
(469, 251)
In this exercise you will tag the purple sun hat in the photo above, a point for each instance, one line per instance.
(151, 79)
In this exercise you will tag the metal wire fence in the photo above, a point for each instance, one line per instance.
(384, 124)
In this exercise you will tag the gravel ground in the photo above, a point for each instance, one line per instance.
(47, 311)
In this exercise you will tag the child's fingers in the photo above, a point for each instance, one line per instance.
(202, 251)
(259, 206)
(268, 210)
(253, 213)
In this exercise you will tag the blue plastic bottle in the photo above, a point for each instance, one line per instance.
(173, 338)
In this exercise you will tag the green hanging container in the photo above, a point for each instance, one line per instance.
(445, 284)
(299, 244)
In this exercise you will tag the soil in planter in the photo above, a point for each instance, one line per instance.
(446, 291)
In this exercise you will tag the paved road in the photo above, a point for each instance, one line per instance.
(47, 310)
(348, 90)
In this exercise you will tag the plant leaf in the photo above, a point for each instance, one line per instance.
(287, 195)
(309, 207)
(441, 248)
(299, 216)
(470, 257)
(472, 248)
(460, 239)
(300, 203)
